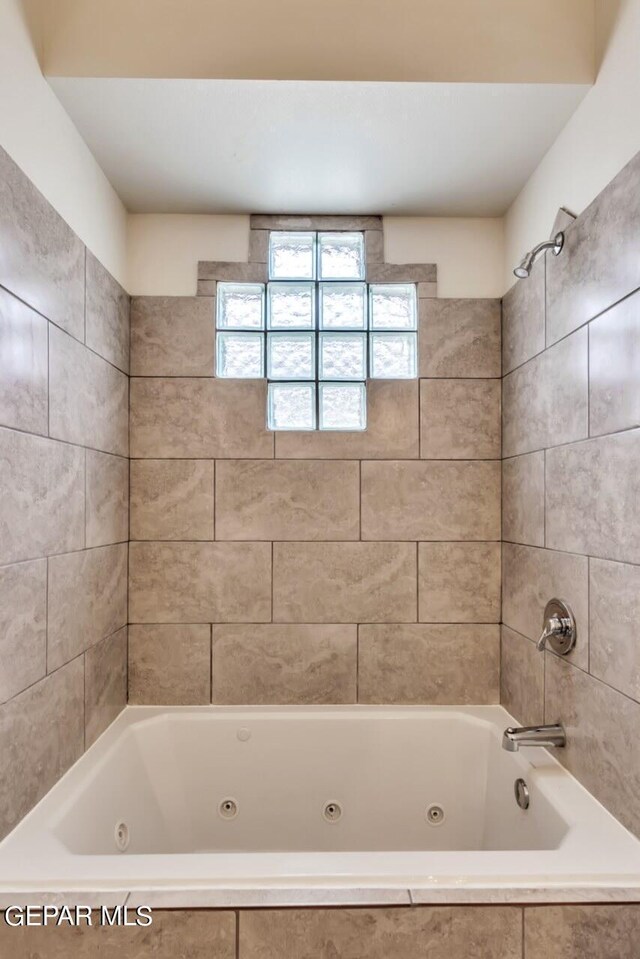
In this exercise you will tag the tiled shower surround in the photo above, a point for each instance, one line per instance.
(314, 567)
(311, 568)
(571, 493)
(64, 350)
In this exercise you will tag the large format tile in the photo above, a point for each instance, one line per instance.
(107, 519)
(41, 258)
(392, 429)
(582, 932)
(199, 582)
(459, 338)
(198, 418)
(231, 271)
(523, 499)
(41, 735)
(599, 262)
(439, 932)
(614, 595)
(269, 897)
(42, 502)
(24, 361)
(603, 748)
(344, 582)
(287, 500)
(531, 577)
(523, 319)
(521, 678)
(88, 398)
(460, 419)
(86, 600)
(459, 582)
(402, 273)
(614, 368)
(431, 500)
(105, 684)
(172, 336)
(174, 934)
(172, 499)
(259, 245)
(284, 664)
(107, 315)
(170, 665)
(319, 221)
(593, 497)
(23, 626)
(545, 402)
(435, 665)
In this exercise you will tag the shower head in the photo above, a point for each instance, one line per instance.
(524, 268)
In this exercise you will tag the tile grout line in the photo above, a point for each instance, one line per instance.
(211, 663)
(360, 499)
(46, 626)
(589, 615)
(566, 336)
(80, 446)
(572, 664)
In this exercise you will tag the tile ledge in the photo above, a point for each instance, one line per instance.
(202, 897)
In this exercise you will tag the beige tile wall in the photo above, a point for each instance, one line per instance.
(64, 476)
(571, 494)
(409, 932)
(260, 562)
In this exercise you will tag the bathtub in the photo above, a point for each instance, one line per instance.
(234, 805)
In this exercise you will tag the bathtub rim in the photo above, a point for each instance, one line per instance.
(317, 891)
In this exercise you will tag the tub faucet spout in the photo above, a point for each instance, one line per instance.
(515, 737)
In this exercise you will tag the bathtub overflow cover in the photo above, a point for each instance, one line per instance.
(121, 834)
(521, 791)
(228, 809)
(332, 811)
(435, 815)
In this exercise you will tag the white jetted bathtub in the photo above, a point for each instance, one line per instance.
(411, 799)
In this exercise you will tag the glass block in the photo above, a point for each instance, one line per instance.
(292, 256)
(291, 356)
(291, 306)
(343, 356)
(291, 406)
(393, 356)
(343, 306)
(240, 306)
(341, 256)
(240, 355)
(393, 306)
(343, 406)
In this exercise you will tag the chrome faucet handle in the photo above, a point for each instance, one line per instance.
(559, 628)
(552, 627)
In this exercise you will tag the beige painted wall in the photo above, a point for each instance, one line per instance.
(164, 250)
(460, 40)
(38, 134)
(602, 135)
(469, 251)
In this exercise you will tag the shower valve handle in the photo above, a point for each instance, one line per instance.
(559, 628)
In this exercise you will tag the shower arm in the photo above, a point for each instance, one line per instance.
(555, 245)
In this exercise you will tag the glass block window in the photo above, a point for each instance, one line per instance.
(317, 331)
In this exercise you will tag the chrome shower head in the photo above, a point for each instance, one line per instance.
(524, 268)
